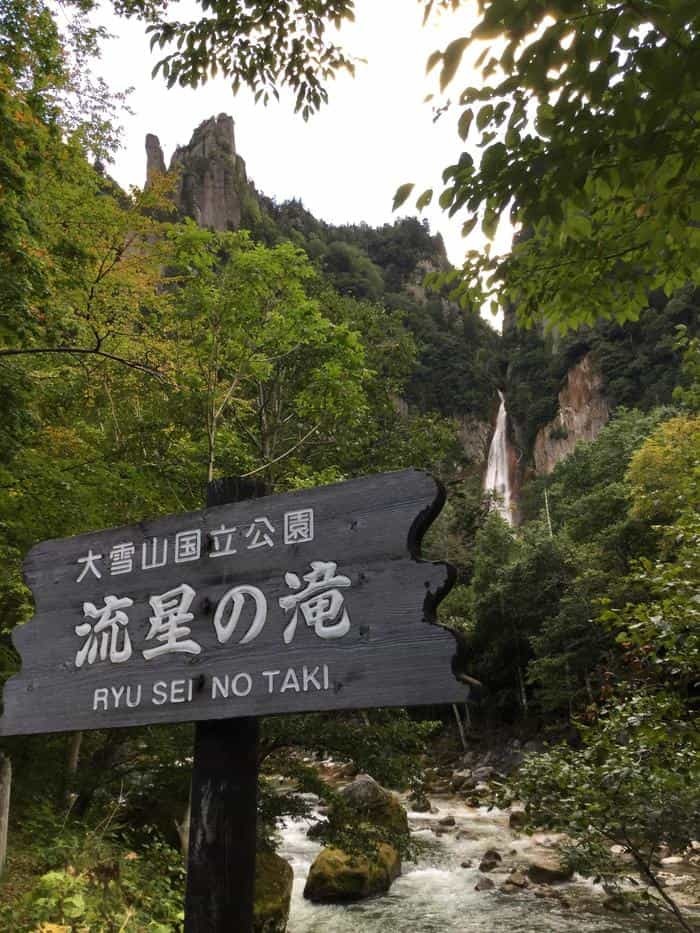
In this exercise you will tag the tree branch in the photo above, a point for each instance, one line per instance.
(86, 351)
(286, 453)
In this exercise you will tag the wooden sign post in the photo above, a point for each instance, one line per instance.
(220, 891)
(312, 600)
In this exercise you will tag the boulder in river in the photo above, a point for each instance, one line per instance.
(483, 774)
(484, 884)
(548, 868)
(518, 879)
(376, 805)
(420, 803)
(273, 892)
(461, 778)
(517, 817)
(337, 876)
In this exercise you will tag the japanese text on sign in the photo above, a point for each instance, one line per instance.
(320, 602)
(297, 527)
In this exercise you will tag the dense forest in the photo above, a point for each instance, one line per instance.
(143, 355)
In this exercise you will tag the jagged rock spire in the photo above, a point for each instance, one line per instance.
(212, 183)
(155, 162)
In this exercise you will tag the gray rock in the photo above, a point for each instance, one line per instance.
(467, 863)
(508, 888)
(448, 820)
(213, 186)
(484, 773)
(155, 161)
(375, 804)
(517, 818)
(460, 778)
(420, 804)
(548, 868)
(484, 884)
(518, 879)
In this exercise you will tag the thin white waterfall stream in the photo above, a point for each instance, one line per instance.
(497, 479)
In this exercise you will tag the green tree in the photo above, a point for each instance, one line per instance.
(259, 367)
(586, 124)
(633, 780)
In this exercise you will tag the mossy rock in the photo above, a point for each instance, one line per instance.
(337, 876)
(376, 805)
(273, 892)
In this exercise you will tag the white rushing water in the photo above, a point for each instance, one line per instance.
(436, 895)
(497, 479)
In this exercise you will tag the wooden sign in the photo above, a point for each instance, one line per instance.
(307, 601)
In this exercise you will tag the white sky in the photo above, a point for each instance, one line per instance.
(346, 162)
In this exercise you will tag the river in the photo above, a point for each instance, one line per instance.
(436, 895)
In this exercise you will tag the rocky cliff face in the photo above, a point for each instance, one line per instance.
(155, 160)
(475, 436)
(583, 411)
(212, 185)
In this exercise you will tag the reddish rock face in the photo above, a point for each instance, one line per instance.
(583, 411)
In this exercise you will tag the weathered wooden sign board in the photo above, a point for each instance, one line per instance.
(307, 601)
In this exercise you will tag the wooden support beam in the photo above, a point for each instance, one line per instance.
(224, 798)
(5, 786)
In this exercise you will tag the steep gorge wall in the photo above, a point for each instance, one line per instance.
(583, 411)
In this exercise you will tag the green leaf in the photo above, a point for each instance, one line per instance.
(483, 116)
(425, 198)
(433, 59)
(452, 57)
(465, 121)
(469, 225)
(446, 197)
(402, 194)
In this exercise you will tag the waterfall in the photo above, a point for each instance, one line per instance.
(497, 479)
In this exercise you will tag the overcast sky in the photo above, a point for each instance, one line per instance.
(346, 162)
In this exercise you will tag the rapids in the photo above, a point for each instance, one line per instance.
(436, 895)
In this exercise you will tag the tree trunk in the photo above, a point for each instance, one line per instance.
(521, 688)
(101, 763)
(72, 758)
(458, 718)
(183, 830)
(5, 785)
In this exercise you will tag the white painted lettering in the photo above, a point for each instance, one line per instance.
(136, 700)
(247, 684)
(101, 695)
(160, 693)
(309, 677)
(290, 681)
(219, 687)
(271, 679)
(177, 691)
(325, 677)
(117, 695)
